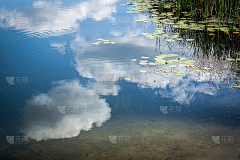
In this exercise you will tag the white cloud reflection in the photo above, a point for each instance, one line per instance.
(46, 19)
(43, 119)
(49, 19)
(178, 88)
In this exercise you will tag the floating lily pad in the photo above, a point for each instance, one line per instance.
(161, 61)
(181, 58)
(189, 62)
(172, 55)
(158, 59)
(230, 59)
(143, 71)
(143, 63)
(179, 39)
(170, 40)
(162, 56)
(165, 71)
(133, 59)
(179, 72)
(172, 61)
(151, 63)
(172, 66)
(189, 39)
(129, 79)
(206, 68)
(143, 57)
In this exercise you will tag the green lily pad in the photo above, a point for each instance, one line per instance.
(172, 66)
(172, 61)
(165, 71)
(189, 62)
(143, 71)
(189, 39)
(172, 55)
(143, 57)
(179, 39)
(143, 63)
(179, 72)
(170, 40)
(162, 56)
(151, 63)
(181, 58)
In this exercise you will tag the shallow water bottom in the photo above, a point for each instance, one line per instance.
(138, 137)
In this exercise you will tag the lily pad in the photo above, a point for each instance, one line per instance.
(143, 71)
(170, 40)
(165, 71)
(172, 61)
(151, 63)
(179, 72)
(143, 57)
(189, 39)
(189, 62)
(181, 58)
(172, 55)
(179, 39)
(143, 63)
(172, 66)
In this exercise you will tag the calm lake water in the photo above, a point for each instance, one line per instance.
(71, 86)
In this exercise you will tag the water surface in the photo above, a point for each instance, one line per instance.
(65, 94)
